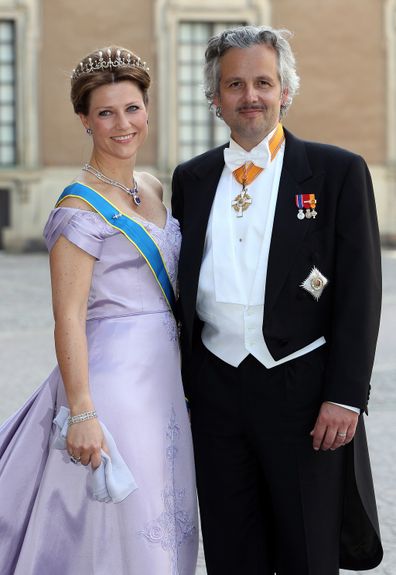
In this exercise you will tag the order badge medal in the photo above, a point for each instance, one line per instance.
(308, 203)
(241, 202)
(315, 283)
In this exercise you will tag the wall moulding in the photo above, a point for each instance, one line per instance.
(390, 27)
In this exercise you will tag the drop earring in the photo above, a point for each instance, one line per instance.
(218, 112)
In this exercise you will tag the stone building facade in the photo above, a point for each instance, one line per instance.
(346, 55)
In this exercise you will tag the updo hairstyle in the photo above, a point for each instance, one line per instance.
(107, 66)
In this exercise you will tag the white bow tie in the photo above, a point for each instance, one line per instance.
(235, 157)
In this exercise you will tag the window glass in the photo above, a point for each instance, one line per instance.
(7, 93)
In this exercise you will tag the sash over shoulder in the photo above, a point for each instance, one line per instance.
(132, 230)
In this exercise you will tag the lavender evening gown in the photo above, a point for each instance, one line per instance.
(49, 522)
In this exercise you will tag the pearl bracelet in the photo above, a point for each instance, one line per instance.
(84, 416)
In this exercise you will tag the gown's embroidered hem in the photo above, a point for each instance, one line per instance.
(174, 526)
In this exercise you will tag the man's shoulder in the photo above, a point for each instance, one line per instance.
(330, 150)
(322, 151)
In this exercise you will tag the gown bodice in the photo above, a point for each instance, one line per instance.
(122, 282)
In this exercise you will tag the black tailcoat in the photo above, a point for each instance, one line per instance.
(343, 243)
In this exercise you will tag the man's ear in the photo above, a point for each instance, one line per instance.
(284, 97)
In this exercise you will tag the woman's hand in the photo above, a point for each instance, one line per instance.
(84, 442)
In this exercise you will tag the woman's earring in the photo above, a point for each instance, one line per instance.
(218, 112)
(89, 131)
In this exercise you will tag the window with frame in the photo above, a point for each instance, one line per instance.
(198, 127)
(8, 153)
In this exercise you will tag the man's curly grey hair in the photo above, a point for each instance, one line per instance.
(244, 37)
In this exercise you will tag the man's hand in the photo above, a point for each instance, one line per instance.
(334, 427)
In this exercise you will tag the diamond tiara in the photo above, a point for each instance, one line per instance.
(105, 62)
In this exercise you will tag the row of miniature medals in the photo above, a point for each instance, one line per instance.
(305, 202)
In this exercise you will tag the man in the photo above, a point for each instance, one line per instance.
(280, 290)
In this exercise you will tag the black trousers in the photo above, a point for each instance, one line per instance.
(269, 503)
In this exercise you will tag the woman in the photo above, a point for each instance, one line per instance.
(121, 433)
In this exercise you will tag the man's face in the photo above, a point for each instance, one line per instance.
(250, 93)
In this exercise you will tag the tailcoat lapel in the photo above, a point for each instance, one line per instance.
(203, 177)
(206, 176)
(288, 231)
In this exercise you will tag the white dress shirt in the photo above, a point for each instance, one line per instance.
(232, 280)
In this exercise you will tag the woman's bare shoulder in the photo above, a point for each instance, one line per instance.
(151, 182)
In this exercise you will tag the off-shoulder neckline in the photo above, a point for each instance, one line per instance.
(138, 218)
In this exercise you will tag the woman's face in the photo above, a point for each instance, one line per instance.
(118, 119)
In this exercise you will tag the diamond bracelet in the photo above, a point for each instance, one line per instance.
(84, 416)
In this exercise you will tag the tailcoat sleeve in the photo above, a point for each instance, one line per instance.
(177, 212)
(357, 290)
(177, 198)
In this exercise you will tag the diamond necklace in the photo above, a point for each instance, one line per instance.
(134, 192)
